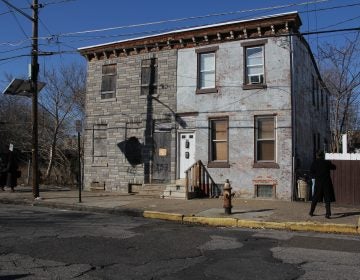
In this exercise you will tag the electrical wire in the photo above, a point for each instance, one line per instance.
(190, 18)
(18, 23)
(80, 33)
(43, 53)
(339, 23)
(57, 2)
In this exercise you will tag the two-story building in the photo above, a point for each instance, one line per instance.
(243, 97)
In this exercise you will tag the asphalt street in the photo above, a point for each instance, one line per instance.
(43, 243)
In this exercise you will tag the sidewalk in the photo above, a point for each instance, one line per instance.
(283, 215)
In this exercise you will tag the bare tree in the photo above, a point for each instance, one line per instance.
(63, 100)
(15, 121)
(340, 67)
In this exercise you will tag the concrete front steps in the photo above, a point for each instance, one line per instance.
(151, 190)
(166, 191)
(176, 191)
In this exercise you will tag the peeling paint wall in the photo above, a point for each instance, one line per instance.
(241, 106)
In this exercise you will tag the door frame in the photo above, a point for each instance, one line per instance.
(179, 132)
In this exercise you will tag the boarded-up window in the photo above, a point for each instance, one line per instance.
(149, 76)
(265, 138)
(108, 82)
(219, 140)
(100, 143)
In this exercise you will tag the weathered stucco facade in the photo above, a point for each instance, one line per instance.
(240, 106)
(243, 97)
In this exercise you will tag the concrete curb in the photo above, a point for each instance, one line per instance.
(163, 216)
(210, 221)
(233, 222)
(216, 222)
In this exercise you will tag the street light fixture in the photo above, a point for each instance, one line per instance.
(21, 87)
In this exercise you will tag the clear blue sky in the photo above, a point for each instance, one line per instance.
(59, 17)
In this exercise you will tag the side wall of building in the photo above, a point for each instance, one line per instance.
(241, 107)
(110, 123)
(311, 107)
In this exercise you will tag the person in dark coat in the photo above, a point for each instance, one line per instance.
(11, 171)
(324, 191)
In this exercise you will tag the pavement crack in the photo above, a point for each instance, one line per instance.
(93, 268)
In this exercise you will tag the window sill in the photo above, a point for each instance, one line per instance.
(254, 86)
(206, 90)
(266, 165)
(214, 164)
(112, 99)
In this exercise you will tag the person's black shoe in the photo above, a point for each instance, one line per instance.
(327, 216)
(311, 214)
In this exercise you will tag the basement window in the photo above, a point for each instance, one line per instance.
(264, 191)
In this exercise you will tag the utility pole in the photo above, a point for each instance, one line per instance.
(34, 86)
(34, 90)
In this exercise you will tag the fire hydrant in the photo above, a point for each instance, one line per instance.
(227, 197)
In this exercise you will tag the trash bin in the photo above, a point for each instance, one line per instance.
(303, 189)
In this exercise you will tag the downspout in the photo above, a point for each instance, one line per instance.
(293, 118)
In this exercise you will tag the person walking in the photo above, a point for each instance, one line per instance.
(11, 171)
(324, 190)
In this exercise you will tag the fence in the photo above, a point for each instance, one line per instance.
(346, 181)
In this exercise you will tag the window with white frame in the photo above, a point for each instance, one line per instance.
(206, 70)
(254, 60)
(265, 139)
(108, 82)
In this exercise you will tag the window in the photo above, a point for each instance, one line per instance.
(108, 82)
(149, 76)
(219, 141)
(207, 70)
(264, 191)
(265, 138)
(100, 144)
(254, 61)
(206, 82)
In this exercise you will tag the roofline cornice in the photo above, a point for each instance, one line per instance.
(251, 29)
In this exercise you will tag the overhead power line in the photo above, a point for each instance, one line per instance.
(78, 33)
(48, 53)
(192, 18)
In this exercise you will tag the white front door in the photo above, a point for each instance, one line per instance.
(186, 152)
